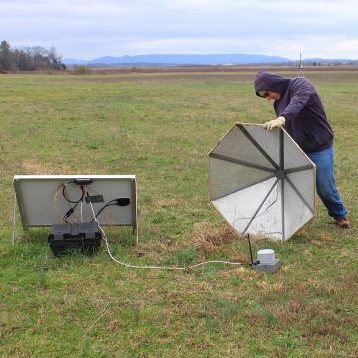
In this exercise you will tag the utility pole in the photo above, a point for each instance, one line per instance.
(300, 67)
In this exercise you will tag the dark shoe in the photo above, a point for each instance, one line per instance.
(343, 223)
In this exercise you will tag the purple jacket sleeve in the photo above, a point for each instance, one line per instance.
(300, 95)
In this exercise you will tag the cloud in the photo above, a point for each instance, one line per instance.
(91, 28)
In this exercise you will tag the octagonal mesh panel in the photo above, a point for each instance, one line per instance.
(261, 182)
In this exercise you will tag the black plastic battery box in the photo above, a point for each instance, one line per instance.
(85, 237)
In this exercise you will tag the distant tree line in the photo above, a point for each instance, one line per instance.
(29, 58)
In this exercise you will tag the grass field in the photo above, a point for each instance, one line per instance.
(160, 127)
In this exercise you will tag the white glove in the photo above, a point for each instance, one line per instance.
(278, 122)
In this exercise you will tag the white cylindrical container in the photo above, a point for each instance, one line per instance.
(266, 256)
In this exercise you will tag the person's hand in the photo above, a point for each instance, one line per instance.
(278, 122)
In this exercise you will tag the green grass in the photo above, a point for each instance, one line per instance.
(160, 127)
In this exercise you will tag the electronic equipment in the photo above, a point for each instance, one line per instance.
(76, 206)
(84, 237)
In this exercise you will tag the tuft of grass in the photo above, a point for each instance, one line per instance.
(183, 257)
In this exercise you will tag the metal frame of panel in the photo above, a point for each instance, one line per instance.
(41, 204)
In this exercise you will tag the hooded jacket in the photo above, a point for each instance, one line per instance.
(300, 104)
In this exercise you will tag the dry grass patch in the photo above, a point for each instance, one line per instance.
(208, 239)
(164, 203)
(275, 287)
(31, 167)
(323, 236)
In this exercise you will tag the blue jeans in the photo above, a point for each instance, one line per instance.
(326, 184)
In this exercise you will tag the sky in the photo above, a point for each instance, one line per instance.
(91, 29)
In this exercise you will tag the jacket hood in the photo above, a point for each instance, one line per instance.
(266, 81)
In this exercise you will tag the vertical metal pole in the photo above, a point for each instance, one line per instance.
(248, 239)
(282, 169)
(135, 210)
(14, 219)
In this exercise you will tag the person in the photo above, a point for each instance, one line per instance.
(299, 110)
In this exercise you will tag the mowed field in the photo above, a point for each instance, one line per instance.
(160, 127)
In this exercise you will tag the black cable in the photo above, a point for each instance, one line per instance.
(73, 208)
(64, 192)
(70, 212)
(110, 203)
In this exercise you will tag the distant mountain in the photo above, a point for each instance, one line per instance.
(180, 59)
(327, 60)
(73, 61)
